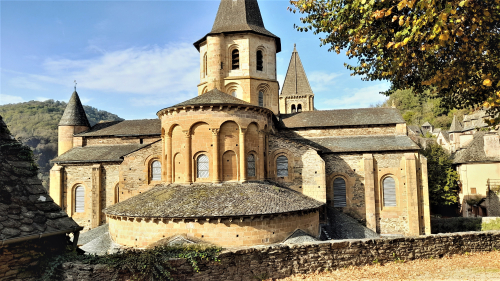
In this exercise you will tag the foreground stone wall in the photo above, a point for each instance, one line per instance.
(284, 260)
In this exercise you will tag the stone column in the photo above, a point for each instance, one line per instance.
(215, 156)
(261, 157)
(412, 194)
(243, 159)
(95, 219)
(168, 164)
(425, 195)
(187, 156)
(56, 185)
(371, 217)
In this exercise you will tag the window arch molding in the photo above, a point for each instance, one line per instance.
(148, 162)
(339, 186)
(350, 182)
(265, 89)
(234, 88)
(273, 168)
(388, 194)
(263, 52)
(195, 166)
(252, 169)
(230, 50)
(73, 202)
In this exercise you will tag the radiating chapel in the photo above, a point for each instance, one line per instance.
(242, 163)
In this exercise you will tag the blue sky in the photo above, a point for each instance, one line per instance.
(133, 58)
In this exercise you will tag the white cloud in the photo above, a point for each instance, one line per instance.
(6, 99)
(359, 97)
(153, 70)
(322, 81)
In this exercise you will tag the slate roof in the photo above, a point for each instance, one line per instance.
(213, 200)
(98, 153)
(427, 124)
(239, 16)
(474, 120)
(474, 152)
(142, 127)
(74, 114)
(299, 236)
(26, 209)
(456, 126)
(446, 135)
(296, 82)
(360, 143)
(341, 117)
(416, 129)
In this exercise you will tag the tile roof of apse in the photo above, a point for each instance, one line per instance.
(341, 117)
(239, 16)
(27, 211)
(296, 82)
(213, 200)
(98, 153)
(360, 143)
(474, 152)
(74, 114)
(143, 127)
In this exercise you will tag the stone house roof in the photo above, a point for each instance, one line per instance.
(239, 16)
(341, 117)
(98, 153)
(360, 143)
(474, 151)
(456, 126)
(142, 127)
(475, 120)
(74, 114)
(296, 82)
(415, 129)
(27, 211)
(206, 200)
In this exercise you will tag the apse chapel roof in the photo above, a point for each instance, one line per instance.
(98, 153)
(142, 127)
(213, 200)
(474, 151)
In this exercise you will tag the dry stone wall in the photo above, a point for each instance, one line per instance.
(281, 260)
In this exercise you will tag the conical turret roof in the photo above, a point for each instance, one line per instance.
(456, 126)
(296, 82)
(74, 114)
(239, 16)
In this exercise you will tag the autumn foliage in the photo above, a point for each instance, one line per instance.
(450, 48)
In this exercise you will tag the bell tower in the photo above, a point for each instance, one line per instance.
(238, 56)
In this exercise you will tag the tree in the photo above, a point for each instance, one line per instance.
(442, 178)
(448, 48)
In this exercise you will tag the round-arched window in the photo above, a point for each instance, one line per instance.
(79, 199)
(250, 166)
(156, 171)
(261, 98)
(235, 59)
(260, 61)
(339, 193)
(389, 189)
(282, 166)
(202, 167)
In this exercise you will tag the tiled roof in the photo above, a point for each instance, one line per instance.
(98, 153)
(74, 114)
(26, 209)
(341, 117)
(416, 129)
(296, 82)
(298, 237)
(239, 16)
(143, 127)
(360, 143)
(213, 200)
(456, 126)
(474, 152)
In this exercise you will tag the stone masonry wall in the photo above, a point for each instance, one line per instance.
(279, 261)
(337, 132)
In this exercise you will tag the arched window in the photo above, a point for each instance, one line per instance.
(293, 108)
(339, 193)
(282, 166)
(260, 61)
(389, 187)
(156, 171)
(79, 199)
(250, 166)
(205, 67)
(234, 94)
(202, 169)
(235, 58)
(261, 98)
(299, 108)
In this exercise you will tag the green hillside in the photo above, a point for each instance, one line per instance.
(35, 124)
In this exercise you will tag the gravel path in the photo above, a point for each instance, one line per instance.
(474, 266)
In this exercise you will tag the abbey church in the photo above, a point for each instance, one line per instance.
(246, 162)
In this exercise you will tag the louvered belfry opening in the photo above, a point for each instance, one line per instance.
(202, 167)
(282, 166)
(250, 166)
(389, 186)
(260, 61)
(79, 199)
(156, 171)
(339, 193)
(235, 56)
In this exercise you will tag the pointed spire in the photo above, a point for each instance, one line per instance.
(74, 114)
(455, 125)
(239, 16)
(296, 82)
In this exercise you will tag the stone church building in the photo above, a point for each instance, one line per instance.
(241, 163)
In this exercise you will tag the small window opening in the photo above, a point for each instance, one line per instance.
(261, 98)
(141, 141)
(389, 189)
(202, 167)
(293, 108)
(251, 166)
(299, 108)
(235, 56)
(156, 170)
(282, 166)
(79, 199)
(234, 94)
(339, 193)
(260, 61)
(205, 67)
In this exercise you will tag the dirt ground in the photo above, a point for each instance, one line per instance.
(473, 266)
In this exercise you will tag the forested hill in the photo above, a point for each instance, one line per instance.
(35, 124)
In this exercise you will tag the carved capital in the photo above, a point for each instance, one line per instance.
(243, 130)
(187, 133)
(215, 131)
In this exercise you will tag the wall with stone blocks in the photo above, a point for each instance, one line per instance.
(280, 261)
